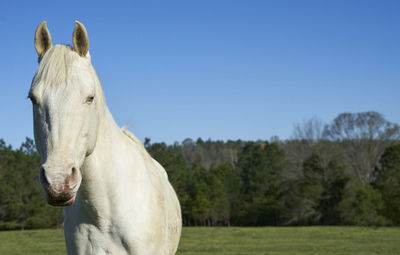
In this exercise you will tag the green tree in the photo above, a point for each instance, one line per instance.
(227, 201)
(334, 183)
(388, 183)
(260, 166)
(366, 207)
(311, 188)
(22, 202)
(314, 197)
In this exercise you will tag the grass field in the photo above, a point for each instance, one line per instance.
(266, 240)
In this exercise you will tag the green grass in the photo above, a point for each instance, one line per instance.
(249, 241)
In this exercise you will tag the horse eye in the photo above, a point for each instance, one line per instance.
(89, 99)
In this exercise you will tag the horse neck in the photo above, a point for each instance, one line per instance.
(102, 170)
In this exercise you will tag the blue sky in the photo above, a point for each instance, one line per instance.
(214, 69)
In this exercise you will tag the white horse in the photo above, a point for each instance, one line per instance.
(117, 199)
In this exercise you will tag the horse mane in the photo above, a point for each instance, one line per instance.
(139, 144)
(143, 151)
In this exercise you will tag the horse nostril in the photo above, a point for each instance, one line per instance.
(43, 177)
(74, 174)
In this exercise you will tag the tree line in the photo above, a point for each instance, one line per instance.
(346, 172)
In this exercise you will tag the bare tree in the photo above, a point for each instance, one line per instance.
(310, 130)
(364, 137)
(306, 140)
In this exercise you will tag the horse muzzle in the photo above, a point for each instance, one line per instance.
(60, 188)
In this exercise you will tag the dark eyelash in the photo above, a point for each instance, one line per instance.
(32, 98)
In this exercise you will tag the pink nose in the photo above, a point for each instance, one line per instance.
(60, 192)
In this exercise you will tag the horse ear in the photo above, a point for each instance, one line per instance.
(80, 39)
(42, 39)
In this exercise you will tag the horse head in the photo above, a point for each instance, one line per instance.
(67, 98)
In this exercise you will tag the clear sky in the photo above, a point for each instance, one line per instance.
(214, 69)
